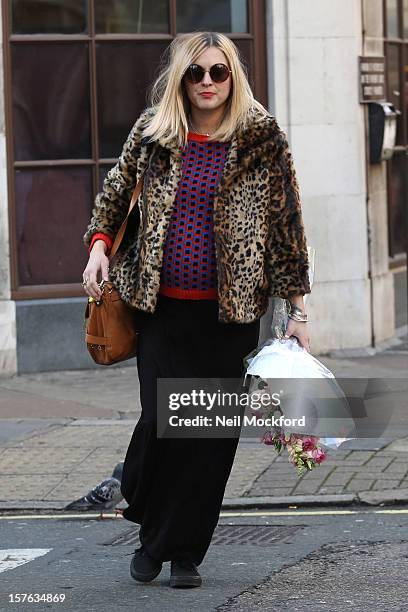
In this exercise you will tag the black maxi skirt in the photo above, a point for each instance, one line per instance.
(175, 486)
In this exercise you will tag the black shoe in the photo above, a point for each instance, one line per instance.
(184, 573)
(143, 567)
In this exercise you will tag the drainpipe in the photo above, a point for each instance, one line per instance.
(367, 161)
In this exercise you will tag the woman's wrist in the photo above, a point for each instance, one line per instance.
(297, 302)
(297, 310)
(105, 238)
(99, 245)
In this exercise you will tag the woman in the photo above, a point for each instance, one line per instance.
(220, 230)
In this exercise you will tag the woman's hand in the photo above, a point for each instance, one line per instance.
(98, 261)
(300, 330)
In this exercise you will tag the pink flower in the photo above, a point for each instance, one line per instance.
(319, 455)
(268, 438)
(309, 443)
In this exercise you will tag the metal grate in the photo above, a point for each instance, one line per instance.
(255, 535)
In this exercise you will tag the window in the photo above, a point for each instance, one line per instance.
(221, 16)
(396, 52)
(48, 17)
(132, 16)
(76, 75)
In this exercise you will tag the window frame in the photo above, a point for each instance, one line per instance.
(256, 35)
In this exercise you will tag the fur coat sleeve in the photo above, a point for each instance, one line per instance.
(112, 203)
(286, 249)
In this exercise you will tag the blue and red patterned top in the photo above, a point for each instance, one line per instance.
(189, 269)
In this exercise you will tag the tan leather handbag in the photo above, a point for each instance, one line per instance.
(110, 324)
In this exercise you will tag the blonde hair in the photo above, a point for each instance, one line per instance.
(168, 98)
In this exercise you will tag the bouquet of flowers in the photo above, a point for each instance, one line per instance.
(310, 380)
(305, 452)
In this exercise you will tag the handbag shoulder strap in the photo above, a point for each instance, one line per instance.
(122, 229)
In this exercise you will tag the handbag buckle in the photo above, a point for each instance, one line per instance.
(91, 300)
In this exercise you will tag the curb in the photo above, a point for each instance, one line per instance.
(369, 351)
(369, 498)
(287, 500)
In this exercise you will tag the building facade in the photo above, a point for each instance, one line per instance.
(74, 78)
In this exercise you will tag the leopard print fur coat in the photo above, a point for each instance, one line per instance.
(259, 233)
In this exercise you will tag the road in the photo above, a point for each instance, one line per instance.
(327, 559)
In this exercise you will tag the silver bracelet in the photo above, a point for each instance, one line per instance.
(295, 309)
(296, 317)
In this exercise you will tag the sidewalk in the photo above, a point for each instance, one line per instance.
(63, 432)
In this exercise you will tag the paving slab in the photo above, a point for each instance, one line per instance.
(65, 461)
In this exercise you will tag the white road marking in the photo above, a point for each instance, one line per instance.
(13, 557)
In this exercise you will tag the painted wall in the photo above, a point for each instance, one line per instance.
(313, 49)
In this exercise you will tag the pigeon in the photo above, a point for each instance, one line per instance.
(103, 496)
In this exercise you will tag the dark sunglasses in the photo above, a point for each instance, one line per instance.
(218, 73)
